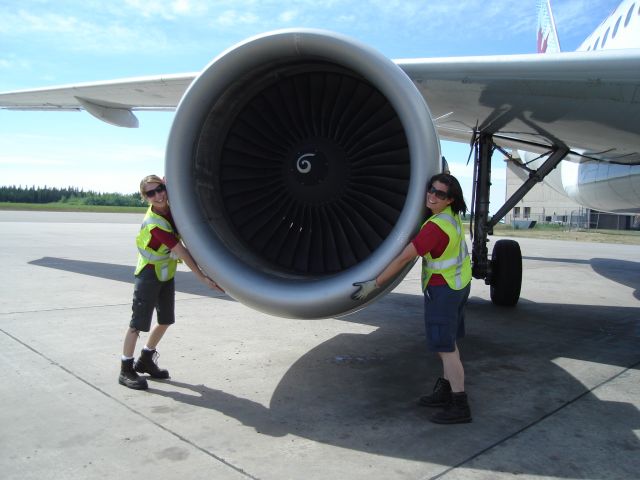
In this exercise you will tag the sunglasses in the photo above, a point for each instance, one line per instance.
(438, 193)
(152, 193)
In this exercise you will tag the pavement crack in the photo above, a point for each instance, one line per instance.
(123, 404)
(532, 424)
(62, 309)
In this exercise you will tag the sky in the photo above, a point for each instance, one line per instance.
(45, 43)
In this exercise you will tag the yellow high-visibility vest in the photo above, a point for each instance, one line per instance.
(454, 264)
(165, 264)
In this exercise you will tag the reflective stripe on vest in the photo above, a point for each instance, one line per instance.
(152, 257)
(459, 260)
(156, 220)
(461, 276)
(164, 263)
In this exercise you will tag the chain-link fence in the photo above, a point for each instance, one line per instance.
(581, 219)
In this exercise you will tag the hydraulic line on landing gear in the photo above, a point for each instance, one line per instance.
(504, 271)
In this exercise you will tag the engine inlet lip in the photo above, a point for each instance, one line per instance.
(292, 297)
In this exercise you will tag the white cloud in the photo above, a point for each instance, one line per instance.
(230, 18)
(11, 62)
(76, 33)
(167, 9)
(38, 159)
(574, 15)
(29, 160)
(347, 19)
(288, 16)
(22, 21)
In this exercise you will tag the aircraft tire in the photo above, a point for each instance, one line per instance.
(506, 273)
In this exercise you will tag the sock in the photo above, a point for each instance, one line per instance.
(123, 358)
(149, 349)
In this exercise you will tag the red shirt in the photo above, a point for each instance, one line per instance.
(432, 239)
(160, 237)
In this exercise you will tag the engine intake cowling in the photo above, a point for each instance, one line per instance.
(297, 164)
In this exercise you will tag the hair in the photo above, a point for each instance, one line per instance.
(147, 180)
(454, 191)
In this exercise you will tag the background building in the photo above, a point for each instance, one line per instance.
(544, 205)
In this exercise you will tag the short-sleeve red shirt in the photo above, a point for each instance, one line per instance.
(160, 237)
(431, 239)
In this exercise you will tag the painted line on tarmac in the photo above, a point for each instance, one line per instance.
(159, 425)
(532, 424)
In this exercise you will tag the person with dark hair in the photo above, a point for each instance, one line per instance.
(159, 251)
(446, 282)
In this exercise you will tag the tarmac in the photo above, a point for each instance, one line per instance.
(554, 383)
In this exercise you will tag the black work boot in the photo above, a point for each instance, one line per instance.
(441, 396)
(457, 411)
(146, 363)
(129, 378)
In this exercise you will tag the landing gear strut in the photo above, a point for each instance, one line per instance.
(504, 271)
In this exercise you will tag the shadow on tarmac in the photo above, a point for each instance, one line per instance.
(359, 391)
(624, 272)
(186, 282)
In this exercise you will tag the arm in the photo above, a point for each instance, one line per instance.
(181, 251)
(390, 271)
(397, 264)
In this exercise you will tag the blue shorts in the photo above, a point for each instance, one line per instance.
(151, 294)
(444, 316)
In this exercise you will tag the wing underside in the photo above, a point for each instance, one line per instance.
(587, 101)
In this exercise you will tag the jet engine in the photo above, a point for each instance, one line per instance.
(297, 165)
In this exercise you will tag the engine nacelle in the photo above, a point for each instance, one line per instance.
(297, 165)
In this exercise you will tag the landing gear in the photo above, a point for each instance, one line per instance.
(503, 273)
(506, 273)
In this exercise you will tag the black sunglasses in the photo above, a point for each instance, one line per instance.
(438, 193)
(152, 193)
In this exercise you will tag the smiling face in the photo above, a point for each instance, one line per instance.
(156, 195)
(438, 197)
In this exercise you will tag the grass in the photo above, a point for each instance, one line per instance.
(65, 207)
(559, 232)
(548, 231)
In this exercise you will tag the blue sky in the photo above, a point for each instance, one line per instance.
(48, 43)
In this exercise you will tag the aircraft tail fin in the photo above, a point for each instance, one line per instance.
(548, 41)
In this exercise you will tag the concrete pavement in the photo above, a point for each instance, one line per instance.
(554, 384)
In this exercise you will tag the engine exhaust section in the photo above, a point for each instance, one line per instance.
(297, 165)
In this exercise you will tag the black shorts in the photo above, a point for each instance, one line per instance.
(444, 316)
(149, 293)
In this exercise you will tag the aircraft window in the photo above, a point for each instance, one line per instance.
(606, 35)
(587, 173)
(626, 20)
(615, 29)
(602, 173)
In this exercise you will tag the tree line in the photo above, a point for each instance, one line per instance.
(69, 195)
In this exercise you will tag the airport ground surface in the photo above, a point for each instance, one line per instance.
(554, 384)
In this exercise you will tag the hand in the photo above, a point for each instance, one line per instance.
(364, 289)
(212, 284)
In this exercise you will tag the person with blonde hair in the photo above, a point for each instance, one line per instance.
(159, 251)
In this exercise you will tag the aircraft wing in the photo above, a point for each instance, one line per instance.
(298, 159)
(110, 101)
(587, 101)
